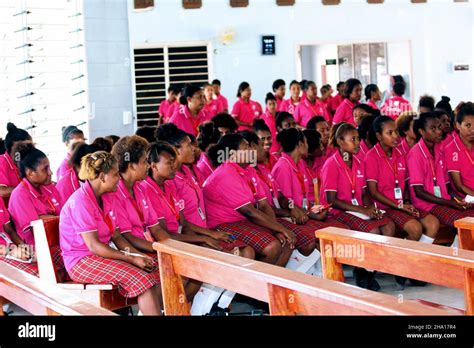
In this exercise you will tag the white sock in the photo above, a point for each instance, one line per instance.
(300, 263)
(455, 242)
(139, 313)
(317, 269)
(226, 299)
(207, 295)
(425, 239)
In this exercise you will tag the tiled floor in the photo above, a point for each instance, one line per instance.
(432, 293)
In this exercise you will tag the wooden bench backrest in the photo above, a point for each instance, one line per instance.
(40, 298)
(453, 268)
(46, 234)
(286, 291)
(465, 228)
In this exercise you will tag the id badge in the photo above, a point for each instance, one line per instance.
(315, 181)
(354, 201)
(398, 193)
(201, 214)
(148, 236)
(276, 203)
(437, 191)
(305, 203)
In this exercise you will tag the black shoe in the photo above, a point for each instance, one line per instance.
(372, 283)
(361, 276)
(401, 281)
(415, 282)
(217, 311)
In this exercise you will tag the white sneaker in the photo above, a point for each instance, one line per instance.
(300, 263)
(205, 298)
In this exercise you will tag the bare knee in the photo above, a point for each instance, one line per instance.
(388, 229)
(272, 250)
(414, 229)
(247, 252)
(431, 225)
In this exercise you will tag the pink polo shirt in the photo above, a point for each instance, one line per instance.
(212, 109)
(4, 219)
(338, 177)
(289, 106)
(164, 203)
(423, 170)
(388, 173)
(270, 121)
(167, 109)
(67, 185)
(27, 204)
(189, 195)
(9, 172)
(291, 178)
(404, 147)
(246, 112)
(344, 113)
(205, 167)
(306, 110)
(448, 140)
(183, 119)
(311, 176)
(81, 214)
(459, 159)
(134, 214)
(278, 101)
(63, 167)
(335, 102)
(228, 189)
(394, 106)
(372, 105)
(267, 182)
(223, 101)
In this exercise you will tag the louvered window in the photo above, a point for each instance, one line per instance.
(156, 68)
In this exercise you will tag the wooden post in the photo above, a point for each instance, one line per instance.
(466, 238)
(281, 300)
(174, 296)
(331, 268)
(469, 291)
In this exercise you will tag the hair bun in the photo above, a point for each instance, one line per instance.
(11, 127)
(445, 99)
(270, 95)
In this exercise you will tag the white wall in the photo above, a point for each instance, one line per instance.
(440, 32)
(108, 65)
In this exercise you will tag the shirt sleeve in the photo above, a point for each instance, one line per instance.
(452, 160)
(372, 168)
(237, 194)
(22, 210)
(329, 176)
(236, 110)
(3, 173)
(416, 170)
(83, 217)
(282, 176)
(122, 218)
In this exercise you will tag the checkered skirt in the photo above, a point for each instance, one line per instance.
(448, 215)
(357, 224)
(400, 218)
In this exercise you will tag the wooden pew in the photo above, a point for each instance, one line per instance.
(287, 292)
(40, 298)
(46, 233)
(430, 263)
(465, 228)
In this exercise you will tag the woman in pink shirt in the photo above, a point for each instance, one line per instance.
(190, 114)
(270, 120)
(236, 203)
(35, 197)
(459, 154)
(394, 106)
(428, 186)
(217, 91)
(289, 105)
(404, 124)
(208, 136)
(310, 107)
(9, 173)
(372, 95)
(284, 120)
(343, 186)
(279, 90)
(88, 228)
(337, 99)
(387, 183)
(212, 106)
(245, 110)
(263, 133)
(168, 106)
(71, 136)
(366, 136)
(447, 127)
(320, 125)
(69, 182)
(352, 95)
(11, 244)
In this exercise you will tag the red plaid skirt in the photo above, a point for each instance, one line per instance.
(357, 224)
(248, 233)
(230, 246)
(400, 218)
(130, 280)
(32, 268)
(448, 215)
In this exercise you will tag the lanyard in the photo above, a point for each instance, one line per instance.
(241, 172)
(432, 170)
(169, 201)
(394, 169)
(191, 183)
(350, 176)
(469, 156)
(51, 205)
(106, 217)
(268, 180)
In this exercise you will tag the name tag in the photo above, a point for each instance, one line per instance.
(315, 181)
(201, 214)
(398, 193)
(276, 203)
(354, 201)
(437, 191)
(305, 203)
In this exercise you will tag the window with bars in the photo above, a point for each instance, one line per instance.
(156, 68)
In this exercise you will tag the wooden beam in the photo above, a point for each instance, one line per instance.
(142, 4)
(285, 2)
(239, 3)
(331, 2)
(192, 4)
